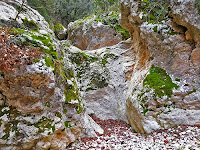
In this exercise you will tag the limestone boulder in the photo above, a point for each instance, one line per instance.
(195, 55)
(103, 76)
(90, 34)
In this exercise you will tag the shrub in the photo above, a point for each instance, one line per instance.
(13, 55)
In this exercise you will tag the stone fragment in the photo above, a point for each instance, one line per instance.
(195, 56)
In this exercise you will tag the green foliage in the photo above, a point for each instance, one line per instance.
(160, 81)
(97, 78)
(106, 5)
(112, 19)
(11, 126)
(40, 6)
(104, 60)
(177, 79)
(154, 11)
(193, 91)
(165, 29)
(70, 93)
(67, 124)
(80, 58)
(43, 124)
(58, 27)
(66, 11)
(197, 4)
(40, 40)
(30, 24)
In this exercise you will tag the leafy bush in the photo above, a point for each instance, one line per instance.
(13, 55)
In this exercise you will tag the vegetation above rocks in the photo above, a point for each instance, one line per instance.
(91, 71)
(66, 11)
(58, 27)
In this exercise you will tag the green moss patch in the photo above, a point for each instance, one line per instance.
(160, 81)
(197, 4)
(11, 126)
(43, 124)
(58, 27)
(30, 24)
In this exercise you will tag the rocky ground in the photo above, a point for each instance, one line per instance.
(119, 136)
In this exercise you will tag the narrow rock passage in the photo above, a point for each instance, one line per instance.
(119, 136)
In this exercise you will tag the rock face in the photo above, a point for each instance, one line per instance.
(28, 18)
(32, 110)
(164, 84)
(101, 77)
(40, 105)
(151, 80)
(89, 34)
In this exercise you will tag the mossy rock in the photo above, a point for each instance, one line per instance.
(30, 24)
(58, 27)
(112, 20)
(160, 81)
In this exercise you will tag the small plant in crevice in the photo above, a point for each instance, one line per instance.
(164, 30)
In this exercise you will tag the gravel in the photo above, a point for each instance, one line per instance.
(118, 135)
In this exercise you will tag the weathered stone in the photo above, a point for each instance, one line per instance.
(59, 139)
(26, 91)
(134, 118)
(186, 15)
(196, 56)
(89, 34)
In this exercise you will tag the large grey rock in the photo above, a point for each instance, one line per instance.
(103, 76)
